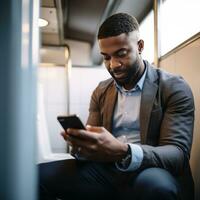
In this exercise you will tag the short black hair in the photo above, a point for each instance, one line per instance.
(117, 24)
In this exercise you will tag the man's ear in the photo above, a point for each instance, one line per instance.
(140, 46)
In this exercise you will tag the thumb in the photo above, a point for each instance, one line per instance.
(94, 128)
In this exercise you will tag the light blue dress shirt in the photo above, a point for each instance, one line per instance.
(126, 124)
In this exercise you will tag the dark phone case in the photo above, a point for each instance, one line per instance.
(70, 121)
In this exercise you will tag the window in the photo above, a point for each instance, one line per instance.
(179, 21)
(147, 34)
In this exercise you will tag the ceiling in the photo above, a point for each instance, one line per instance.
(80, 19)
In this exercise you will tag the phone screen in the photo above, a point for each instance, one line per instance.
(70, 121)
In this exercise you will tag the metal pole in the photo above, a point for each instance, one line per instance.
(18, 62)
(156, 33)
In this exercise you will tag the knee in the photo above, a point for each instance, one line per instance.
(155, 183)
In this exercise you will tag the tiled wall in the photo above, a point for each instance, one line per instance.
(82, 82)
(54, 83)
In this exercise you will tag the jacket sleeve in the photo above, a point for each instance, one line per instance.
(175, 139)
(94, 117)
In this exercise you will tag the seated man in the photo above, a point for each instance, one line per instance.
(138, 136)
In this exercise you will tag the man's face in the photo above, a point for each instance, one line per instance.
(121, 57)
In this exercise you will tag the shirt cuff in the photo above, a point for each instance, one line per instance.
(136, 158)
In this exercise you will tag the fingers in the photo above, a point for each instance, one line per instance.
(91, 132)
(76, 142)
(74, 150)
(83, 143)
(82, 134)
(82, 150)
(75, 137)
(64, 135)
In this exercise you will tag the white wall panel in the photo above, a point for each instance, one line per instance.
(82, 83)
(54, 83)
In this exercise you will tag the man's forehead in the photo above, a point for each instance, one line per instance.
(134, 35)
(116, 42)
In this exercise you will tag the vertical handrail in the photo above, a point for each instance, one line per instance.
(18, 67)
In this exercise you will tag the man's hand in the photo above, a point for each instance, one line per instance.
(95, 143)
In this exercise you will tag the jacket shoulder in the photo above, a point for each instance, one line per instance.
(173, 82)
(167, 80)
(173, 87)
(104, 85)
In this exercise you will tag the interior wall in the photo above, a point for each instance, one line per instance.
(185, 62)
(82, 83)
(53, 81)
(80, 52)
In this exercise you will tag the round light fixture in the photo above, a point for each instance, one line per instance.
(43, 22)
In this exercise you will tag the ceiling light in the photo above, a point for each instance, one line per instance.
(43, 22)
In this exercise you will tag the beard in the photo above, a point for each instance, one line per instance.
(126, 75)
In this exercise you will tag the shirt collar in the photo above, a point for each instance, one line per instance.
(139, 84)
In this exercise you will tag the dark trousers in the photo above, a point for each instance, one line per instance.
(74, 180)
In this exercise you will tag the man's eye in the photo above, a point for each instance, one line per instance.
(122, 53)
(105, 57)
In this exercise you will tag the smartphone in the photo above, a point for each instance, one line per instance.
(70, 121)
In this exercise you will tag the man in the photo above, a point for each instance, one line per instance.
(138, 139)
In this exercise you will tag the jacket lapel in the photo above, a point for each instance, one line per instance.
(147, 99)
(110, 101)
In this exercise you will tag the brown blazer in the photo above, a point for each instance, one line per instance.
(166, 119)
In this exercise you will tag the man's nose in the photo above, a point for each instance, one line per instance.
(114, 63)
